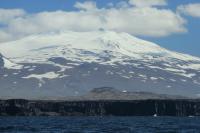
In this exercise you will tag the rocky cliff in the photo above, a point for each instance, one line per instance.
(100, 108)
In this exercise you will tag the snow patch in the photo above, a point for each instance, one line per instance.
(190, 66)
(10, 65)
(175, 70)
(169, 86)
(96, 68)
(49, 75)
(173, 80)
(189, 75)
(153, 78)
(5, 75)
(124, 91)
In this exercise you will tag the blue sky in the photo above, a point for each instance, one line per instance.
(185, 42)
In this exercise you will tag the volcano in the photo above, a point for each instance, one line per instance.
(63, 64)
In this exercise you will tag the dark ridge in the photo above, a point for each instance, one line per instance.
(109, 93)
(20, 107)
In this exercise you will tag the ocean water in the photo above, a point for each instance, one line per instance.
(99, 124)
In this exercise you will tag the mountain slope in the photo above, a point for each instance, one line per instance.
(57, 65)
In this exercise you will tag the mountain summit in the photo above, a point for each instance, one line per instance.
(57, 65)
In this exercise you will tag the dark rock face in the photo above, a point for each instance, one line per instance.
(100, 108)
(1, 61)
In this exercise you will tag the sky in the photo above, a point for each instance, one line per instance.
(173, 24)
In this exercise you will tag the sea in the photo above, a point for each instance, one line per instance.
(108, 124)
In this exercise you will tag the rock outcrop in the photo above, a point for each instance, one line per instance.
(109, 93)
(1, 61)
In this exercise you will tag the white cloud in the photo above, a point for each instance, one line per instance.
(147, 21)
(8, 14)
(190, 9)
(5, 36)
(88, 5)
(148, 3)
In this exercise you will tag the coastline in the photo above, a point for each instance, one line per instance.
(154, 107)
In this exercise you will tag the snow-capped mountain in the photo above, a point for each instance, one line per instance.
(57, 65)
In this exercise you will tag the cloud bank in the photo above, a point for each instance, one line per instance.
(137, 17)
